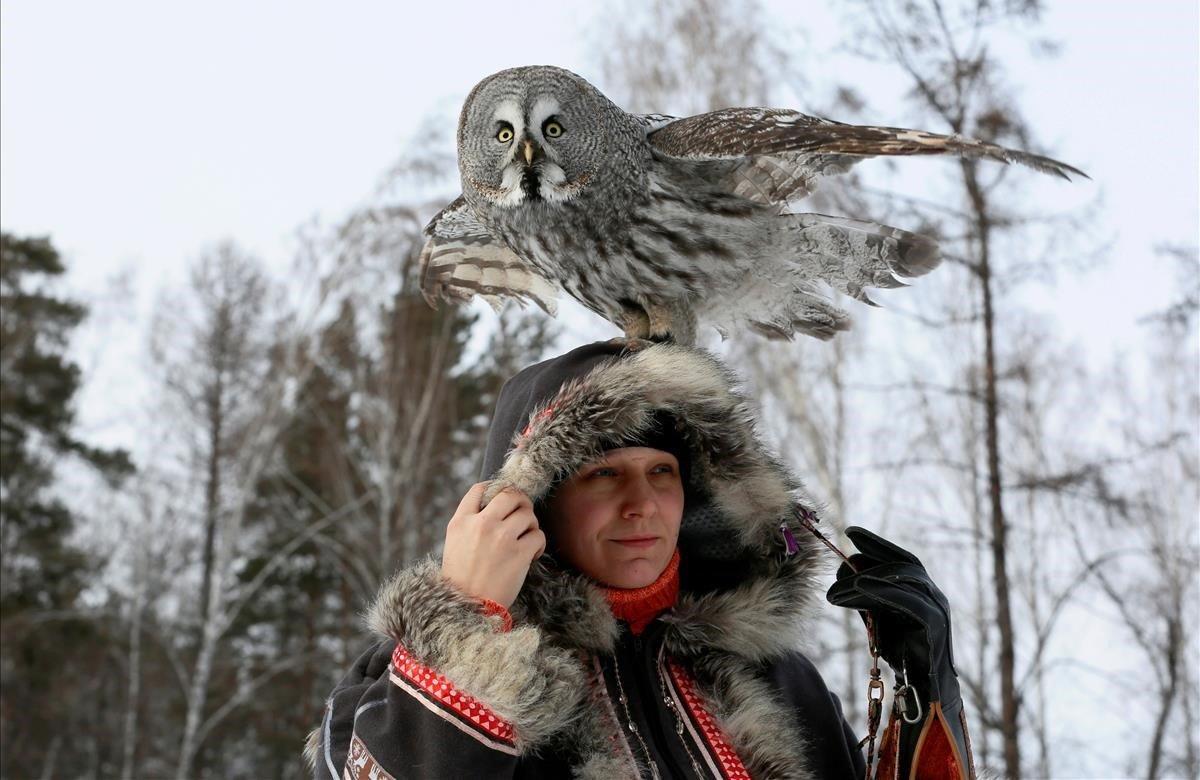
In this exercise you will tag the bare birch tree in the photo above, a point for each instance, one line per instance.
(150, 552)
(213, 348)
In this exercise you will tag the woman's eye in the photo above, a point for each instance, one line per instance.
(505, 135)
(552, 129)
(604, 472)
(664, 468)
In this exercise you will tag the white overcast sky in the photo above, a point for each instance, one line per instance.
(137, 133)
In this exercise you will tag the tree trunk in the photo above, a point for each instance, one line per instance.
(1191, 766)
(209, 608)
(1009, 703)
(197, 697)
(1166, 695)
(212, 490)
(129, 741)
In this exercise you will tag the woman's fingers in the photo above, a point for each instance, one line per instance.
(520, 523)
(524, 504)
(505, 503)
(471, 500)
(488, 551)
(534, 543)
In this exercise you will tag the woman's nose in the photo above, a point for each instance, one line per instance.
(639, 499)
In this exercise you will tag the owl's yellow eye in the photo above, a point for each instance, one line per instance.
(505, 135)
(552, 129)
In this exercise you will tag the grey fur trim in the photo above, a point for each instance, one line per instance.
(597, 733)
(761, 619)
(766, 734)
(312, 746)
(569, 607)
(533, 685)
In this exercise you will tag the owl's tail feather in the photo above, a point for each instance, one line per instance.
(458, 271)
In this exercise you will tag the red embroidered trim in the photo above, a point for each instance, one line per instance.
(727, 758)
(467, 707)
(496, 608)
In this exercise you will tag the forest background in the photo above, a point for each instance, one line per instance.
(227, 414)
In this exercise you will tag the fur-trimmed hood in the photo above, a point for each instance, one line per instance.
(741, 592)
(747, 572)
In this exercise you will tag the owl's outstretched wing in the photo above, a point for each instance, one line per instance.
(461, 259)
(774, 155)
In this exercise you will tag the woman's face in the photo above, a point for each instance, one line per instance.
(617, 519)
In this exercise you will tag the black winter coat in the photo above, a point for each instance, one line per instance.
(712, 688)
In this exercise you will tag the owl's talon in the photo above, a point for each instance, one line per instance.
(662, 324)
(631, 344)
(635, 322)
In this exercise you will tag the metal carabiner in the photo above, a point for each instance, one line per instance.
(901, 698)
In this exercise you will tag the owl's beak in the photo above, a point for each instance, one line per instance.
(528, 152)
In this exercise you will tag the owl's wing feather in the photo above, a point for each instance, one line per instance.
(652, 122)
(772, 155)
(462, 259)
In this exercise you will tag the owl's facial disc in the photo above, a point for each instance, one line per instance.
(530, 165)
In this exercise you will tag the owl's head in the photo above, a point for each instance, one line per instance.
(530, 135)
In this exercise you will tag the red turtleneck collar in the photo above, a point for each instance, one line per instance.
(639, 606)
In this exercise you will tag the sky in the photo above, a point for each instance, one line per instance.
(136, 134)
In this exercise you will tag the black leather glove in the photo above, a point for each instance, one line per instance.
(912, 631)
(912, 617)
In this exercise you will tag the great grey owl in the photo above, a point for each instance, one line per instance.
(658, 223)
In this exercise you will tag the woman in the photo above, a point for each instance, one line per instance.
(624, 598)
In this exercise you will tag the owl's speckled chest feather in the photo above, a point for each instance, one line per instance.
(659, 244)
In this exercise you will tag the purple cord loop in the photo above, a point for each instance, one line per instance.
(789, 541)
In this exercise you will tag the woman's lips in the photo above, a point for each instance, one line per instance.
(638, 541)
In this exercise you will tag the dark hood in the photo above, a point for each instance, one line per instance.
(740, 591)
(532, 388)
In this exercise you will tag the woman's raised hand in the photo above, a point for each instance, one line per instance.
(488, 551)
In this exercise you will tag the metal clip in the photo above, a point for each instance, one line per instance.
(874, 701)
(902, 702)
